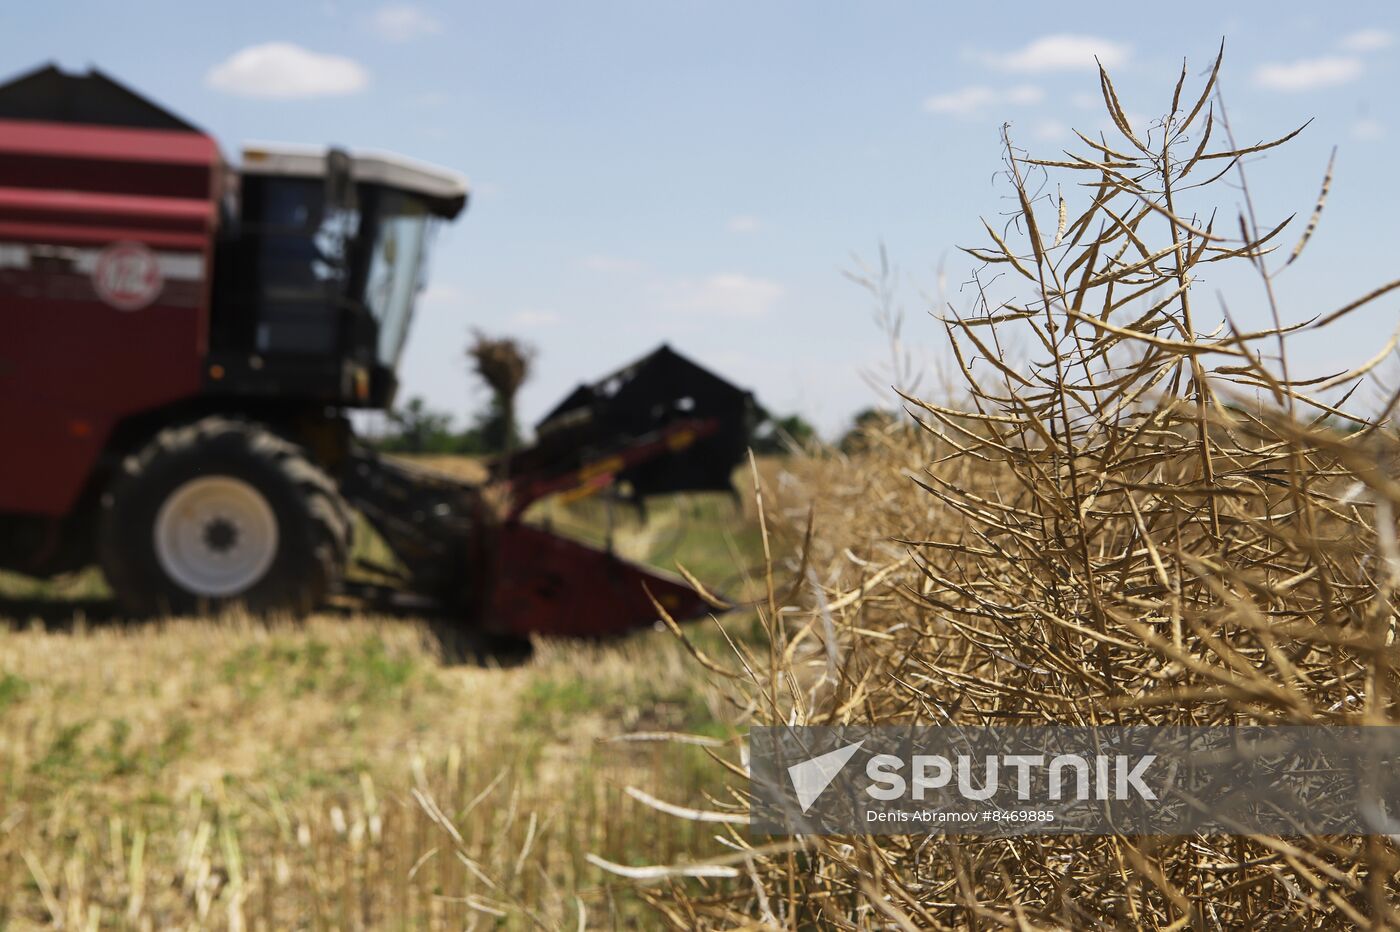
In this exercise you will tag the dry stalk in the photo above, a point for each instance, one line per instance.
(1144, 523)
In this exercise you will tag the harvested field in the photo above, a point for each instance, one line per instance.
(243, 774)
(342, 772)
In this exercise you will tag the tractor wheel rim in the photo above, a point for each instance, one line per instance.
(216, 536)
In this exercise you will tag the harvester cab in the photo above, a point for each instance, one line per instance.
(180, 340)
(318, 267)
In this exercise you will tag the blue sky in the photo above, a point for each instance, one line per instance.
(703, 172)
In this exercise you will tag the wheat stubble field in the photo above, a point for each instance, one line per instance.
(346, 770)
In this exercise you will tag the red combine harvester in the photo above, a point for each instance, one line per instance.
(180, 341)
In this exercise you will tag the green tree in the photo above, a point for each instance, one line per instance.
(418, 428)
(504, 364)
(493, 429)
(865, 423)
(777, 435)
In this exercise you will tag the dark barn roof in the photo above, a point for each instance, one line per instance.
(50, 95)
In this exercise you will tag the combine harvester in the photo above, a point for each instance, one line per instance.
(181, 340)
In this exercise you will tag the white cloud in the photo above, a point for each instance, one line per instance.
(967, 101)
(284, 71)
(725, 295)
(529, 319)
(1308, 74)
(744, 223)
(1367, 129)
(1060, 52)
(1367, 40)
(964, 101)
(1049, 130)
(403, 22)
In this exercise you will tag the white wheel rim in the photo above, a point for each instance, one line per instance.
(216, 536)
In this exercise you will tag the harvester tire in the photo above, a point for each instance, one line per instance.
(222, 512)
